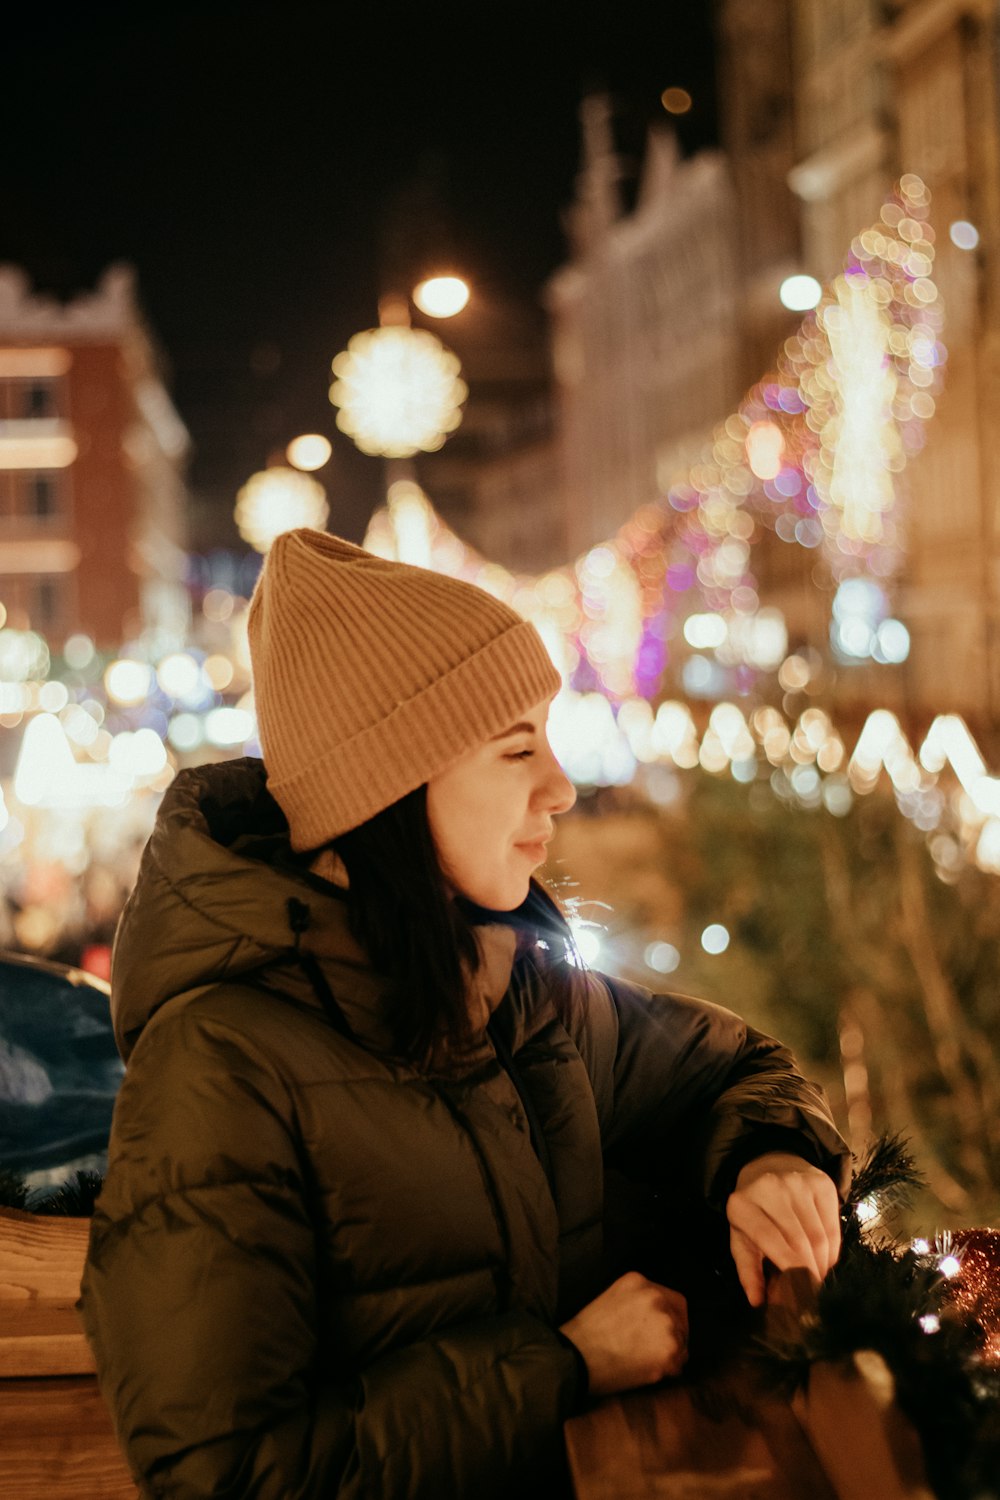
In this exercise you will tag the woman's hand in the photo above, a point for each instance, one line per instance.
(786, 1211)
(633, 1334)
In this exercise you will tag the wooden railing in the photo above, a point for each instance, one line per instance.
(727, 1437)
(56, 1438)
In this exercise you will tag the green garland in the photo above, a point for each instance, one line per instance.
(876, 1298)
(75, 1198)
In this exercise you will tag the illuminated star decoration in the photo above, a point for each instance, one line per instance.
(398, 390)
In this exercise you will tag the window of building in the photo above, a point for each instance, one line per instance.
(41, 496)
(47, 611)
(38, 399)
(30, 399)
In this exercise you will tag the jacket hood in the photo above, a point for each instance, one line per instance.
(211, 904)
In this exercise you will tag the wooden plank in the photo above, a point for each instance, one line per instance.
(721, 1440)
(40, 1354)
(863, 1441)
(56, 1439)
(41, 1258)
(56, 1435)
(865, 1444)
(41, 1263)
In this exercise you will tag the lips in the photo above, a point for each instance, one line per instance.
(536, 849)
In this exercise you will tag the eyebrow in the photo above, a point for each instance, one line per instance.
(523, 728)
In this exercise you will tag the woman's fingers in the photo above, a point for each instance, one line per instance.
(749, 1266)
(775, 1230)
(786, 1211)
(819, 1215)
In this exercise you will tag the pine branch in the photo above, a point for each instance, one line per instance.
(75, 1199)
(898, 1304)
(13, 1190)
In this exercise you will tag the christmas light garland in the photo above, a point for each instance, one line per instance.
(930, 1309)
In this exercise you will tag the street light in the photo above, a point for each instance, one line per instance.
(441, 296)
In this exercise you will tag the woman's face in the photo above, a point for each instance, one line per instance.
(491, 812)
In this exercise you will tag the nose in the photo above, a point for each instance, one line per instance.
(558, 791)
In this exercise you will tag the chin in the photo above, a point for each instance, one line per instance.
(506, 895)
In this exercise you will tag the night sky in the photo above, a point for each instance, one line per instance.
(243, 156)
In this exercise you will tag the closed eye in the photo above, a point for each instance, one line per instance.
(519, 755)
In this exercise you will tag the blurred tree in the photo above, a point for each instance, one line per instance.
(843, 940)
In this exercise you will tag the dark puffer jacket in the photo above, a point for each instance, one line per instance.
(315, 1272)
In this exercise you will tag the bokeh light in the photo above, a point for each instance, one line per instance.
(963, 234)
(676, 101)
(277, 500)
(715, 938)
(79, 652)
(179, 675)
(800, 293)
(128, 682)
(399, 391)
(441, 296)
(309, 451)
(662, 958)
(587, 942)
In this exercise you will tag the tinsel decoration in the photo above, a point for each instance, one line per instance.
(900, 1303)
(973, 1287)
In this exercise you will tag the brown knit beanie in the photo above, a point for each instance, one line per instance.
(371, 676)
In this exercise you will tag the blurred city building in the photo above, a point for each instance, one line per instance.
(667, 311)
(92, 452)
(645, 325)
(823, 107)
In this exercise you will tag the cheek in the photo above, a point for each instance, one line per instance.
(456, 815)
(473, 827)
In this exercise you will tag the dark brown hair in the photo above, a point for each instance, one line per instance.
(421, 937)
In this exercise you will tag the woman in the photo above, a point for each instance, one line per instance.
(350, 1239)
